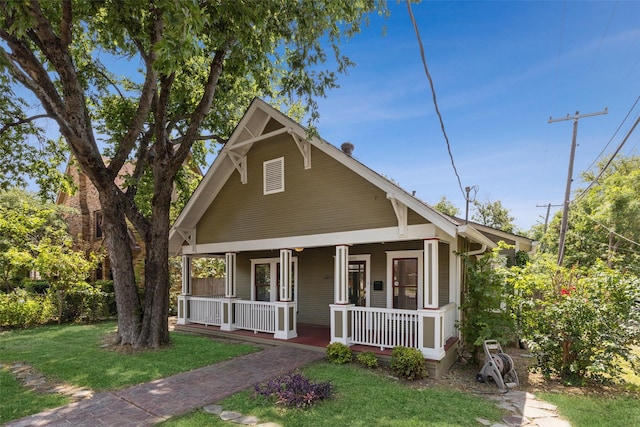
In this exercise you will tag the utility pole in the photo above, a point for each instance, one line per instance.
(567, 193)
(546, 218)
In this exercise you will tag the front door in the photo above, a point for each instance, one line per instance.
(358, 283)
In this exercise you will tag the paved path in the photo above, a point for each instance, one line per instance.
(150, 403)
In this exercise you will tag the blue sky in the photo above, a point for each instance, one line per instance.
(500, 70)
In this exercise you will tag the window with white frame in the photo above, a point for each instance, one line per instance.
(265, 279)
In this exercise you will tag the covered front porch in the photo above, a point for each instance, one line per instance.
(352, 316)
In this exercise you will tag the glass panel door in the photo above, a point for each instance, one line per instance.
(263, 282)
(357, 283)
(405, 283)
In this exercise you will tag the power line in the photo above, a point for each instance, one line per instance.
(615, 153)
(615, 133)
(435, 102)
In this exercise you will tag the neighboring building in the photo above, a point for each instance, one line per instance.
(311, 236)
(86, 220)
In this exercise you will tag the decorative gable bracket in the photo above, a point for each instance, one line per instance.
(240, 163)
(305, 148)
(401, 214)
(189, 235)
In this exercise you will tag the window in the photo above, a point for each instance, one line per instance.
(262, 282)
(265, 277)
(273, 176)
(97, 219)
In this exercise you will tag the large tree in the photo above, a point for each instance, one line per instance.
(494, 215)
(147, 82)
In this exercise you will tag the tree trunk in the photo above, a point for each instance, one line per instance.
(119, 249)
(155, 330)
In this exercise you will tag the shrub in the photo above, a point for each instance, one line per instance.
(580, 324)
(368, 359)
(294, 390)
(339, 353)
(19, 309)
(408, 363)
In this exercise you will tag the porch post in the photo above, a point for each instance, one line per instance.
(285, 275)
(228, 312)
(230, 275)
(286, 322)
(430, 290)
(183, 299)
(340, 318)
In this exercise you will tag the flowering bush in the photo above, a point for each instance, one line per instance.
(581, 324)
(295, 390)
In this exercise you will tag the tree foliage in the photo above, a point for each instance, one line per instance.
(493, 214)
(486, 314)
(580, 322)
(148, 82)
(446, 207)
(25, 222)
(604, 224)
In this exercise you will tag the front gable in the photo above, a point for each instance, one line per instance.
(318, 190)
(325, 198)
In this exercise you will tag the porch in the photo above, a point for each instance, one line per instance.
(432, 331)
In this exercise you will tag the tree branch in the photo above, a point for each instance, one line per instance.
(215, 70)
(22, 121)
(66, 23)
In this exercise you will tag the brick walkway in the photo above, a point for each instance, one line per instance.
(150, 403)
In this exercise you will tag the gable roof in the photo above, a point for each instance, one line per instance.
(261, 121)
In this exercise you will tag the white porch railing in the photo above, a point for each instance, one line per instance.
(384, 328)
(256, 316)
(228, 313)
(206, 311)
(427, 329)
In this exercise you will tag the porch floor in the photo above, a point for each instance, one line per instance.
(312, 337)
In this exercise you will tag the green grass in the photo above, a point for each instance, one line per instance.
(362, 398)
(17, 401)
(596, 411)
(73, 354)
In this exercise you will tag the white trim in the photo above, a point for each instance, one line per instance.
(273, 292)
(376, 235)
(367, 259)
(391, 255)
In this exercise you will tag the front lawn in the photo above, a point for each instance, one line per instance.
(596, 411)
(74, 354)
(17, 401)
(362, 398)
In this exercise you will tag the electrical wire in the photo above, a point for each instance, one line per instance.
(435, 102)
(584, 192)
(615, 133)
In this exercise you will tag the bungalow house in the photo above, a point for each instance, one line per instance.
(311, 236)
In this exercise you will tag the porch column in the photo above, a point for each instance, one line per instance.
(228, 312)
(286, 322)
(340, 318)
(341, 275)
(183, 298)
(285, 275)
(230, 275)
(430, 290)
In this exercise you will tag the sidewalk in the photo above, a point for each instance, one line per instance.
(149, 403)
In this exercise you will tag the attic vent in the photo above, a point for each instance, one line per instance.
(273, 175)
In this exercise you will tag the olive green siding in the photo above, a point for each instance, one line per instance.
(329, 197)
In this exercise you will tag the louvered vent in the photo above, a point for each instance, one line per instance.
(273, 176)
